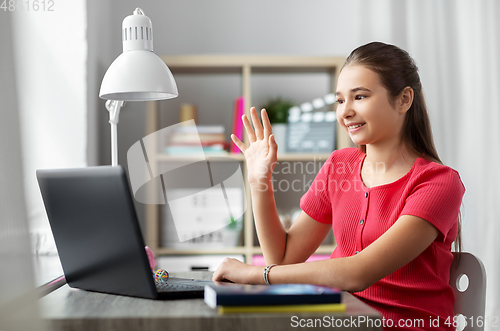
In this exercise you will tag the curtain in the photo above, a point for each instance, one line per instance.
(456, 45)
(43, 124)
(18, 300)
(50, 49)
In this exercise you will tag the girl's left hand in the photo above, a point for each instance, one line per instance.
(238, 272)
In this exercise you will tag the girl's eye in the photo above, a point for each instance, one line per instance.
(340, 101)
(359, 97)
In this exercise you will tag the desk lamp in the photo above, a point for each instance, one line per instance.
(137, 74)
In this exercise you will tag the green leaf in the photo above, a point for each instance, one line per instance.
(277, 109)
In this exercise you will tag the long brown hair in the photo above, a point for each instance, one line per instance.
(397, 70)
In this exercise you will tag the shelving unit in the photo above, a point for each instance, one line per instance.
(246, 66)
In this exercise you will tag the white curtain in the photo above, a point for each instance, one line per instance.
(18, 299)
(456, 44)
(50, 49)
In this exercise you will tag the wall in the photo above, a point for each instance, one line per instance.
(99, 53)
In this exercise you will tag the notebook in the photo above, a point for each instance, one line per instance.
(97, 234)
(224, 294)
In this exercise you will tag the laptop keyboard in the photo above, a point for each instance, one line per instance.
(169, 287)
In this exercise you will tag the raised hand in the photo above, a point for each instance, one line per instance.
(261, 153)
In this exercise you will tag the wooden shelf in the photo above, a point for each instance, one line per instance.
(205, 251)
(323, 249)
(303, 157)
(246, 66)
(220, 158)
(240, 157)
(195, 62)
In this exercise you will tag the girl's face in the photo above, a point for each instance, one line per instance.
(364, 109)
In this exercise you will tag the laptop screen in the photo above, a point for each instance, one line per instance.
(96, 230)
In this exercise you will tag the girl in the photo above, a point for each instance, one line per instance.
(393, 206)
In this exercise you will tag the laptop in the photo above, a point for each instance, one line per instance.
(97, 234)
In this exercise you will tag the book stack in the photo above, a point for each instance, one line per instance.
(188, 139)
(236, 298)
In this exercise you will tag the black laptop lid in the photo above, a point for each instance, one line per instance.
(95, 227)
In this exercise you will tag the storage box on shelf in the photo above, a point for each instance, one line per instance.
(246, 66)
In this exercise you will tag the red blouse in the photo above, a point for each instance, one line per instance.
(418, 292)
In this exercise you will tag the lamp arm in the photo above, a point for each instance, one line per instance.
(113, 107)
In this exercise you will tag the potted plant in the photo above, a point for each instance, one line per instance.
(277, 110)
(231, 235)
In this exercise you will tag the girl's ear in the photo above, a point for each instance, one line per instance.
(405, 100)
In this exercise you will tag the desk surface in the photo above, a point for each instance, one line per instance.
(73, 309)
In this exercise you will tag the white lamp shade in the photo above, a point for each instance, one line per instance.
(138, 75)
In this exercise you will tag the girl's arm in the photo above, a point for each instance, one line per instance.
(279, 246)
(272, 236)
(398, 246)
(303, 238)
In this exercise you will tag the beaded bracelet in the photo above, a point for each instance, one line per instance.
(266, 273)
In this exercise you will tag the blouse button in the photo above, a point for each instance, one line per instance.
(366, 194)
(361, 222)
(356, 252)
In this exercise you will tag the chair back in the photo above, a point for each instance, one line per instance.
(470, 296)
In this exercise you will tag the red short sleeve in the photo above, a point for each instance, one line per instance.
(436, 197)
(316, 202)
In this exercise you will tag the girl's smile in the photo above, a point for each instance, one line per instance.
(353, 127)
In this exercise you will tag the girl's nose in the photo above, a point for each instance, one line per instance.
(346, 110)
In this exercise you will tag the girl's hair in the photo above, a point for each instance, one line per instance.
(397, 70)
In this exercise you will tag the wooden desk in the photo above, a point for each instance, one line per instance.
(72, 309)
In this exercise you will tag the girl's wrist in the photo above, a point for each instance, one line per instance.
(262, 184)
(258, 275)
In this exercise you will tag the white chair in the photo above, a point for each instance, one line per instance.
(470, 297)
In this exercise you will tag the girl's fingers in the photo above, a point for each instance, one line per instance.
(273, 146)
(248, 129)
(267, 124)
(259, 131)
(238, 143)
